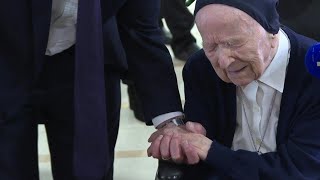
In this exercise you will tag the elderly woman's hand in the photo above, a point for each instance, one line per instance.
(195, 144)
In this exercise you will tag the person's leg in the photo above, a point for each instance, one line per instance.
(60, 133)
(58, 84)
(59, 126)
(113, 99)
(180, 22)
(167, 37)
(18, 146)
(134, 100)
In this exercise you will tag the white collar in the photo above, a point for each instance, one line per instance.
(275, 74)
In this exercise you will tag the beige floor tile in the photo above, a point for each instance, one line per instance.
(135, 169)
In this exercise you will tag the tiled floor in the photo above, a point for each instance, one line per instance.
(131, 161)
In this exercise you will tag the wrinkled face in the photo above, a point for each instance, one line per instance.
(238, 48)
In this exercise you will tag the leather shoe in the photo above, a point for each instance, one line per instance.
(169, 171)
(167, 37)
(183, 53)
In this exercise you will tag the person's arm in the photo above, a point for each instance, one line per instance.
(149, 62)
(199, 113)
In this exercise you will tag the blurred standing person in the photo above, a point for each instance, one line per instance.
(301, 16)
(62, 61)
(180, 22)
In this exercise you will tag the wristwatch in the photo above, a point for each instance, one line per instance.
(178, 120)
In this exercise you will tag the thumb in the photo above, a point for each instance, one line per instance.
(196, 128)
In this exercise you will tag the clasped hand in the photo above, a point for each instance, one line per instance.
(182, 144)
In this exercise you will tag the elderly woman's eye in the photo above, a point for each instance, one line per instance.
(213, 48)
(210, 48)
(229, 44)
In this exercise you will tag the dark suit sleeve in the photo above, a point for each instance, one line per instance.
(149, 62)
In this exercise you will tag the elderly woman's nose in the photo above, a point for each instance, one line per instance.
(223, 58)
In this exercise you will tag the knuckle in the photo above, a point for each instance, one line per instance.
(166, 131)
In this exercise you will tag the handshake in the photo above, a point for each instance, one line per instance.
(185, 144)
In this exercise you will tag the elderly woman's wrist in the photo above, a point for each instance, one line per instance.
(206, 148)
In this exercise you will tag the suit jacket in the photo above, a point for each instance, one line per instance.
(132, 46)
(212, 102)
(132, 42)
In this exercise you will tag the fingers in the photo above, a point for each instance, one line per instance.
(175, 150)
(164, 147)
(159, 148)
(195, 128)
(190, 153)
(167, 130)
(154, 148)
(154, 135)
(176, 143)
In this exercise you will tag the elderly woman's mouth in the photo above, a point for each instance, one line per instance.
(236, 70)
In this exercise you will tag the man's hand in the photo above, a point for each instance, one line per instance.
(170, 128)
(161, 139)
(183, 144)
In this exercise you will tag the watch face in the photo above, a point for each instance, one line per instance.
(177, 121)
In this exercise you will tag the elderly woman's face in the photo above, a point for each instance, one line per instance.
(238, 48)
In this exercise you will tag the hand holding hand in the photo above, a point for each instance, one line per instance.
(183, 144)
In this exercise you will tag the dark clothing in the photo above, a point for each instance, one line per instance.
(301, 16)
(212, 102)
(34, 86)
(179, 21)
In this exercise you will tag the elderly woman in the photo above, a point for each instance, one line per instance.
(256, 107)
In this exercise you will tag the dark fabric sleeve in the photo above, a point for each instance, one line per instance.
(149, 62)
(196, 107)
(197, 89)
(298, 157)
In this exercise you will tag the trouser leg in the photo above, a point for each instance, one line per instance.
(113, 99)
(18, 146)
(57, 83)
(179, 21)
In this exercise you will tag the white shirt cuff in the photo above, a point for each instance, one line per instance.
(163, 117)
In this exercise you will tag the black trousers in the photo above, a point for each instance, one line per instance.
(301, 16)
(179, 21)
(51, 103)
